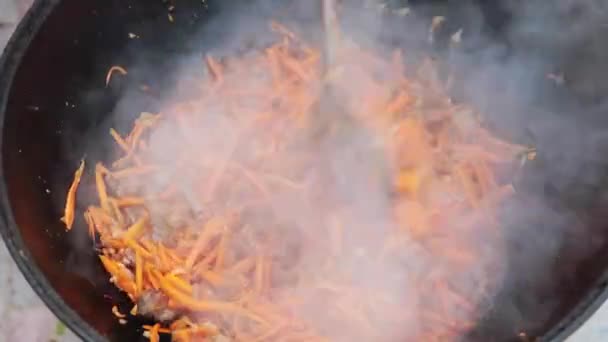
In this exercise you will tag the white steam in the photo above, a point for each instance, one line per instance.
(504, 86)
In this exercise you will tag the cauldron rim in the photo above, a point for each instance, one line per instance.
(10, 61)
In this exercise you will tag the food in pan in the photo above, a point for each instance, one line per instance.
(236, 231)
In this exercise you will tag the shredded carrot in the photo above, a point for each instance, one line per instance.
(130, 201)
(219, 259)
(116, 210)
(153, 276)
(90, 224)
(117, 313)
(100, 171)
(215, 68)
(206, 306)
(137, 229)
(139, 273)
(259, 274)
(243, 266)
(213, 278)
(179, 283)
(201, 330)
(119, 140)
(211, 229)
(154, 337)
(206, 222)
(123, 278)
(112, 70)
(135, 171)
(70, 203)
(134, 245)
(160, 330)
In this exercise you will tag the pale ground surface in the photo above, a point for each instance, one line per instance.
(26, 319)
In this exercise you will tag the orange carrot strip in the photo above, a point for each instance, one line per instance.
(259, 274)
(468, 186)
(219, 171)
(215, 68)
(134, 171)
(163, 259)
(116, 210)
(130, 201)
(99, 217)
(139, 273)
(207, 260)
(282, 30)
(486, 176)
(102, 192)
(117, 313)
(152, 277)
(119, 140)
(160, 330)
(212, 278)
(113, 243)
(70, 203)
(122, 276)
(172, 255)
(243, 266)
(252, 178)
(221, 251)
(154, 333)
(91, 225)
(206, 306)
(112, 70)
(212, 228)
(202, 330)
(149, 245)
(135, 246)
(137, 229)
(179, 283)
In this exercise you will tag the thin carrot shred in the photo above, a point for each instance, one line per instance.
(160, 329)
(137, 229)
(119, 140)
(221, 251)
(212, 228)
(90, 224)
(259, 274)
(112, 70)
(130, 201)
(70, 203)
(117, 313)
(213, 278)
(100, 172)
(123, 278)
(215, 68)
(206, 306)
(179, 283)
(134, 245)
(139, 273)
(154, 337)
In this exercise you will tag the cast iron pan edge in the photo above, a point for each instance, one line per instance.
(9, 63)
(581, 312)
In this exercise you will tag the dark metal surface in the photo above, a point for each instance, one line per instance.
(54, 109)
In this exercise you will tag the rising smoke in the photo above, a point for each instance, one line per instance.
(502, 72)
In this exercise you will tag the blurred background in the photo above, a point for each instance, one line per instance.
(26, 318)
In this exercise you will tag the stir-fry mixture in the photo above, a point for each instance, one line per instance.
(236, 215)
